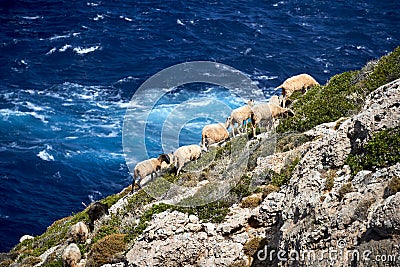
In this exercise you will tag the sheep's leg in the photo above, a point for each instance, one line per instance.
(135, 175)
(233, 129)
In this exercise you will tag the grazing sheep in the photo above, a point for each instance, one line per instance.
(296, 83)
(164, 164)
(214, 133)
(276, 100)
(146, 167)
(240, 116)
(267, 112)
(71, 256)
(95, 212)
(184, 154)
(79, 232)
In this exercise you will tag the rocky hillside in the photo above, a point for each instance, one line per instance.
(322, 190)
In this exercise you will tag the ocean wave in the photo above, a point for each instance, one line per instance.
(51, 51)
(32, 18)
(64, 48)
(265, 77)
(98, 17)
(93, 4)
(179, 22)
(33, 106)
(45, 155)
(82, 50)
(6, 113)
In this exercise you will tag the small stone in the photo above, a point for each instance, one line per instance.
(194, 227)
(193, 219)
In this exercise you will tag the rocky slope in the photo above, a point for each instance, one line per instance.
(322, 199)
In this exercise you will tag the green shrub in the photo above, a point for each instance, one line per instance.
(106, 249)
(386, 70)
(251, 201)
(283, 177)
(329, 179)
(361, 211)
(382, 150)
(290, 141)
(252, 245)
(57, 263)
(268, 190)
(345, 189)
(393, 187)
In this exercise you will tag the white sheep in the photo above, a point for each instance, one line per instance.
(276, 100)
(79, 232)
(185, 154)
(71, 256)
(214, 133)
(146, 167)
(240, 116)
(296, 83)
(267, 112)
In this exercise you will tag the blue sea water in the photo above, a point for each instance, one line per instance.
(68, 70)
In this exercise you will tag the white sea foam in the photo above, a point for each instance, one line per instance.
(265, 77)
(32, 18)
(64, 48)
(109, 135)
(45, 155)
(33, 106)
(93, 4)
(56, 37)
(98, 17)
(179, 22)
(126, 18)
(81, 50)
(51, 51)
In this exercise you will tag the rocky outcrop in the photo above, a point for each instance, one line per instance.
(304, 217)
(176, 239)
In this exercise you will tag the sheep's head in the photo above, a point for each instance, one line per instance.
(287, 112)
(250, 102)
(164, 157)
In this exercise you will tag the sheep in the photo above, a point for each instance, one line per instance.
(71, 256)
(146, 167)
(296, 83)
(95, 212)
(214, 133)
(184, 154)
(267, 112)
(79, 232)
(276, 100)
(240, 116)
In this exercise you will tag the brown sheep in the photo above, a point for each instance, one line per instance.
(240, 116)
(71, 256)
(300, 82)
(146, 167)
(267, 112)
(214, 133)
(79, 232)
